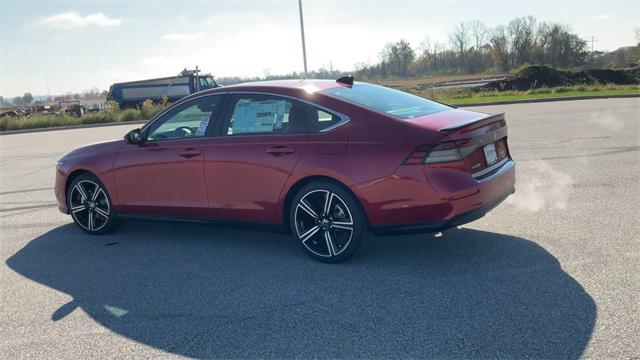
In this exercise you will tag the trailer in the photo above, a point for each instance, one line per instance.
(133, 93)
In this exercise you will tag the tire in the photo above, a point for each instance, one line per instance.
(90, 205)
(332, 235)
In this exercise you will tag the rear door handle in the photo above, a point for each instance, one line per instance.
(280, 150)
(189, 153)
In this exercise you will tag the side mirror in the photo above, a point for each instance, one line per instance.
(134, 137)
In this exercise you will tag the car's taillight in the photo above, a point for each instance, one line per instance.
(418, 156)
(437, 154)
(443, 153)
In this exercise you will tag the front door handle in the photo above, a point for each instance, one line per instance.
(280, 150)
(189, 153)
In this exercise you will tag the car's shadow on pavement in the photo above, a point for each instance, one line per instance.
(210, 292)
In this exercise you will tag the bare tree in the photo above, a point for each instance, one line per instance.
(500, 47)
(564, 48)
(425, 47)
(521, 32)
(471, 47)
(438, 49)
(459, 39)
(478, 33)
(541, 42)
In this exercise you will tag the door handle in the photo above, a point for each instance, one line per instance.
(279, 151)
(189, 153)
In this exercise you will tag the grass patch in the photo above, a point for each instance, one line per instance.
(463, 97)
(146, 112)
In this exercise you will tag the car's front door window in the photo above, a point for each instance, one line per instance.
(189, 120)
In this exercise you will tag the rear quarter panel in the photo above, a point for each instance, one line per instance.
(376, 146)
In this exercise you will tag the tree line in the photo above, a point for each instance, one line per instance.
(473, 47)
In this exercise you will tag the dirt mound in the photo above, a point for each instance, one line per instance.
(542, 76)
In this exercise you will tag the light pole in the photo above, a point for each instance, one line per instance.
(304, 49)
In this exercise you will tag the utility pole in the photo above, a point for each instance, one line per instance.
(304, 49)
(593, 39)
(46, 79)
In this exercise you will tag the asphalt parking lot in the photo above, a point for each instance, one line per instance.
(552, 273)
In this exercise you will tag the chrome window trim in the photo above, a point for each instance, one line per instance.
(344, 119)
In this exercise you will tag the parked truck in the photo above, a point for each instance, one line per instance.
(133, 93)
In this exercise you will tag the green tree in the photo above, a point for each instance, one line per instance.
(27, 98)
(398, 57)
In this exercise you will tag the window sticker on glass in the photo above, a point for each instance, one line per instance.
(258, 116)
(202, 128)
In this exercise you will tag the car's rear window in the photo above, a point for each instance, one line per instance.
(393, 102)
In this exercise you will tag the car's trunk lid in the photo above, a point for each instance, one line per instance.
(481, 138)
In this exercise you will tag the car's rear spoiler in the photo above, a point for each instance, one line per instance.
(465, 123)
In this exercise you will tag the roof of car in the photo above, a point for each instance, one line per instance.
(290, 84)
(308, 86)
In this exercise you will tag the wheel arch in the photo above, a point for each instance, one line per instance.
(299, 184)
(72, 176)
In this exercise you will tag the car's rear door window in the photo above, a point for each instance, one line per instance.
(267, 114)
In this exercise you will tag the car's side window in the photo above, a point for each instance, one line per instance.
(262, 114)
(258, 114)
(189, 120)
(324, 120)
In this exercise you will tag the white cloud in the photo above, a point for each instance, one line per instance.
(603, 17)
(72, 19)
(182, 36)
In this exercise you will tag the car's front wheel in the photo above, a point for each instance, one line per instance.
(90, 205)
(327, 221)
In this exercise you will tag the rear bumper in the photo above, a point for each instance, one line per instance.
(435, 226)
(449, 199)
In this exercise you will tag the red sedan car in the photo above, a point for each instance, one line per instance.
(326, 160)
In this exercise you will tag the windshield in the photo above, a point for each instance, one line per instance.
(393, 102)
(206, 82)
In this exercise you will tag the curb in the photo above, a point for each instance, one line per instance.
(567, 98)
(527, 101)
(71, 127)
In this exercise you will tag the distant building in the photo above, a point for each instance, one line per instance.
(94, 105)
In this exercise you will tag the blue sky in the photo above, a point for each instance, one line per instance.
(81, 45)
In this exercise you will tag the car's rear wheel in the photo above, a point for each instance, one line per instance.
(90, 205)
(327, 221)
